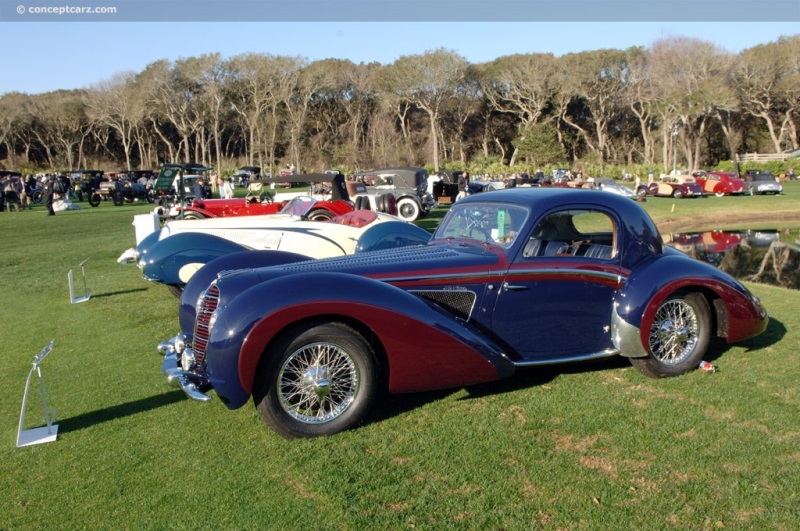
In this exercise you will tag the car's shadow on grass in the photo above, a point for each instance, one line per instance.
(392, 405)
(114, 293)
(92, 418)
(773, 334)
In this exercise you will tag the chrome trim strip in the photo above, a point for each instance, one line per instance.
(571, 359)
(502, 274)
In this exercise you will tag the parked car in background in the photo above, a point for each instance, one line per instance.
(409, 185)
(245, 174)
(175, 183)
(332, 197)
(719, 183)
(511, 279)
(762, 183)
(677, 186)
(609, 185)
(174, 253)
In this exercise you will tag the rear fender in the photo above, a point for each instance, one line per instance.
(737, 314)
(206, 274)
(425, 347)
(175, 259)
(202, 211)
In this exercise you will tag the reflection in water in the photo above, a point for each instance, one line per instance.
(768, 256)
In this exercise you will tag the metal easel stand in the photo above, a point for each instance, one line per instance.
(46, 433)
(86, 294)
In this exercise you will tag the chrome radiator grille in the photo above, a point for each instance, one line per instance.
(202, 330)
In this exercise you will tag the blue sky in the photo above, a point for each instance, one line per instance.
(44, 56)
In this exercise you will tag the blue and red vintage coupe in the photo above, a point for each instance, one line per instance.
(511, 279)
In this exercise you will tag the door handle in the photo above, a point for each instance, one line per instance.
(512, 287)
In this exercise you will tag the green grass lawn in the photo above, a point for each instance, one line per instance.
(590, 446)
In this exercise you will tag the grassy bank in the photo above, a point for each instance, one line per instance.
(592, 446)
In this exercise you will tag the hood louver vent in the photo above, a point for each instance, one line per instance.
(458, 302)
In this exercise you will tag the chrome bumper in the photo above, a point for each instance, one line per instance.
(176, 355)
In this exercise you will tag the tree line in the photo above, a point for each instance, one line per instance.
(679, 101)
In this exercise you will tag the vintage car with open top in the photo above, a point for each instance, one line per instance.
(329, 189)
(173, 254)
(510, 280)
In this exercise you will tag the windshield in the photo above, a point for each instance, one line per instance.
(299, 206)
(496, 223)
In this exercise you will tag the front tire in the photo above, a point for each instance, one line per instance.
(677, 194)
(118, 199)
(317, 381)
(193, 215)
(678, 338)
(94, 200)
(407, 209)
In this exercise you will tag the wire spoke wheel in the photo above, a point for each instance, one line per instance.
(678, 336)
(674, 333)
(317, 383)
(317, 380)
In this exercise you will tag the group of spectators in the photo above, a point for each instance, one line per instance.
(17, 192)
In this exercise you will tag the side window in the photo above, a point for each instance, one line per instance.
(573, 233)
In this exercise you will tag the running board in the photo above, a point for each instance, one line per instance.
(570, 359)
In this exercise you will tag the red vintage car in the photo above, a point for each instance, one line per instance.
(720, 183)
(337, 203)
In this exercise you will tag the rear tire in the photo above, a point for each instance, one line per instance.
(317, 380)
(95, 199)
(320, 214)
(678, 338)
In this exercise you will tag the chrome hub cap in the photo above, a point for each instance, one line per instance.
(317, 383)
(673, 335)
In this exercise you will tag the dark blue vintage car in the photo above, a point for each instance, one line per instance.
(511, 279)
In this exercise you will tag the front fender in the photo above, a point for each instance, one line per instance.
(143, 248)
(175, 259)
(206, 274)
(425, 347)
(740, 317)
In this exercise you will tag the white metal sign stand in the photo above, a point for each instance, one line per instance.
(86, 294)
(46, 433)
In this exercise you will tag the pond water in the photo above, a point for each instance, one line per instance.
(767, 256)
